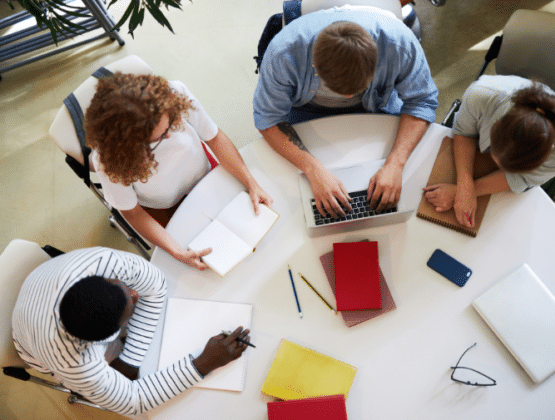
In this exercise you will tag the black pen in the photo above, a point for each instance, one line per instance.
(239, 339)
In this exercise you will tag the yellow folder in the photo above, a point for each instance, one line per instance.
(298, 372)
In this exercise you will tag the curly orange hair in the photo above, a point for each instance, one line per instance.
(121, 118)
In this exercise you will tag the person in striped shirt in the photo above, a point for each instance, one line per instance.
(72, 308)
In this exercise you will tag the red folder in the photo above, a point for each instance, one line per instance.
(357, 276)
(330, 407)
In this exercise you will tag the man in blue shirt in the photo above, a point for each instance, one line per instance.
(351, 59)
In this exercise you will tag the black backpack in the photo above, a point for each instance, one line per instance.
(291, 11)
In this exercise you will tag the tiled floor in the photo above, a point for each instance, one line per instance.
(42, 200)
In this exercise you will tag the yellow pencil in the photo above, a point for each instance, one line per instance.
(319, 295)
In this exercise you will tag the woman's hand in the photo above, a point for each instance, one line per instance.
(258, 195)
(465, 204)
(193, 258)
(442, 196)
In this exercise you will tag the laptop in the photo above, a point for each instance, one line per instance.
(355, 180)
(520, 309)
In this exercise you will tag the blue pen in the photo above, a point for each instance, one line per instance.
(295, 292)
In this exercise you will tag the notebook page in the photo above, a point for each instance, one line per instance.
(239, 217)
(188, 326)
(228, 249)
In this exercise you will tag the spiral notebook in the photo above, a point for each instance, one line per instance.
(444, 172)
(188, 326)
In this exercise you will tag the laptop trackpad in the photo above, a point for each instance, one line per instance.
(356, 178)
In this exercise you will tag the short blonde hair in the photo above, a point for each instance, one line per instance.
(345, 57)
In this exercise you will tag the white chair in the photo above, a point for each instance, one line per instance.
(526, 48)
(309, 6)
(64, 134)
(17, 261)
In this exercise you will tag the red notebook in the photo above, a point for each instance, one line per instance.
(357, 276)
(331, 407)
(353, 318)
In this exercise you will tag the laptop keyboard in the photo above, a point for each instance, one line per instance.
(361, 210)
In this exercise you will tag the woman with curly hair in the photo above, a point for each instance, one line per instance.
(513, 120)
(146, 135)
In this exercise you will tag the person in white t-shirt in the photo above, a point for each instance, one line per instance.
(146, 135)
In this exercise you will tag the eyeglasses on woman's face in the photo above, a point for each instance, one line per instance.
(156, 141)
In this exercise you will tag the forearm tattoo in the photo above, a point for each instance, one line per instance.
(290, 132)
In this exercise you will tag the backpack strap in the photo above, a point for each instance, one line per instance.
(291, 10)
(78, 118)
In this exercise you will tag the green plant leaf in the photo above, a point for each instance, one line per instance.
(67, 9)
(53, 30)
(125, 15)
(158, 15)
(135, 20)
(69, 25)
(172, 3)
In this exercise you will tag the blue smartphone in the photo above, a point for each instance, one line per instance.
(449, 267)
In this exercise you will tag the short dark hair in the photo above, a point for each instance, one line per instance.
(523, 139)
(92, 308)
(345, 57)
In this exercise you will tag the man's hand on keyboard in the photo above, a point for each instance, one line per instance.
(384, 188)
(329, 192)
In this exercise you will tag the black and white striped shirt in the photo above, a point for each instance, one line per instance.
(43, 343)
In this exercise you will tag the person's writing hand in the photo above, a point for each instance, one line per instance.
(384, 188)
(220, 350)
(258, 195)
(328, 192)
(465, 204)
(194, 258)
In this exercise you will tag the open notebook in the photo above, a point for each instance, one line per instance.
(188, 326)
(521, 312)
(234, 234)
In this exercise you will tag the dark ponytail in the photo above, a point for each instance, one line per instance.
(523, 139)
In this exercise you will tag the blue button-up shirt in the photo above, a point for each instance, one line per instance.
(402, 82)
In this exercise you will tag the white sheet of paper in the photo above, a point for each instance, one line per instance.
(188, 326)
(228, 249)
(239, 217)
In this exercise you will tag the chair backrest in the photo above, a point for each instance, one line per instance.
(16, 263)
(62, 129)
(528, 47)
(394, 6)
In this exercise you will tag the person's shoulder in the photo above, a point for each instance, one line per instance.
(101, 253)
(179, 87)
(500, 84)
